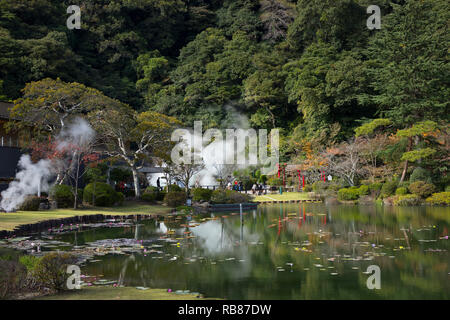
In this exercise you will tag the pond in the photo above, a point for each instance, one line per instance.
(283, 251)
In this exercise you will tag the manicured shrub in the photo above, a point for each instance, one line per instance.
(175, 187)
(420, 174)
(175, 198)
(307, 188)
(12, 277)
(407, 200)
(101, 194)
(152, 194)
(363, 190)
(51, 270)
(401, 191)
(31, 203)
(149, 196)
(200, 194)
(347, 194)
(229, 196)
(439, 199)
(388, 188)
(447, 189)
(422, 189)
(63, 195)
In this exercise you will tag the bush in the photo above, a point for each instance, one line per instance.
(31, 203)
(363, 190)
(201, 194)
(12, 277)
(422, 189)
(175, 198)
(401, 191)
(175, 187)
(348, 194)
(101, 194)
(307, 188)
(51, 270)
(63, 196)
(319, 186)
(420, 174)
(30, 262)
(149, 196)
(388, 188)
(447, 189)
(407, 200)
(153, 194)
(229, 196)
(439, 199)
(375, 187)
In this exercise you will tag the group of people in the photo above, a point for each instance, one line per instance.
(236, 186)
(258, 188)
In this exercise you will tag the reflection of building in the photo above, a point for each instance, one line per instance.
(10, 152)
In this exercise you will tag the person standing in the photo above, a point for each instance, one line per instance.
(158, 184)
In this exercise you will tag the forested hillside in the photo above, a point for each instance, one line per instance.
(310, 67)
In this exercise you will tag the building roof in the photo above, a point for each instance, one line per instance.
(4, 110)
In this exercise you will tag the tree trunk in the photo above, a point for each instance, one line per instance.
(137, 189)
(405, 166)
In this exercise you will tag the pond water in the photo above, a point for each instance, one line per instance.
(284, 251)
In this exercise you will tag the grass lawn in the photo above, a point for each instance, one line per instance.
(8, 221)
(121, 293)
(282, 197)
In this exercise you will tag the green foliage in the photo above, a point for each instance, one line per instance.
(274, 181)
(175, 198)
(407, 200)
(229, 196)
(149, 196)
(388, 188)
(363, 190)
(101, 194)
(401, 191)
(422, 189)
(347, 194)
(201, 194)
(51, 270)
(31, 203)
(30, 262)
(63, 195)
(419, 154)
(439, 199)
(174, 187)
(319, 186)
(420, 174)
(369, 128)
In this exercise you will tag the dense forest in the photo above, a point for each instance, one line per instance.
(309, 67)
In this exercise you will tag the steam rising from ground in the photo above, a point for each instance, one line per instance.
(29, 179)
(33, 178)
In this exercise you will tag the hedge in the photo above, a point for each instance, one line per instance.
(439, 199)
(175, 198)
(200, 194)
(63, 196)
(102, 195)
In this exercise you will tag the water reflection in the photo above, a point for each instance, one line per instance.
(290, 251)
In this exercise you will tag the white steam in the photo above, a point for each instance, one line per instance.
(34, 178)
(31, 179)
